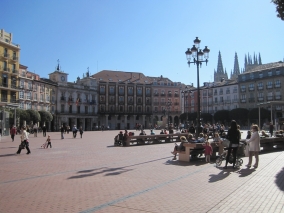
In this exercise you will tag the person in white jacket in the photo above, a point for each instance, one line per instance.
(254, 146)
(24, 141)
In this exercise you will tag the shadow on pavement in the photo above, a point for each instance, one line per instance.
(7, 155)
(280, 179)
(220, 176)
(8, 147)
(245, 172)
(110, 171)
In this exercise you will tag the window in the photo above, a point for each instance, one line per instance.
(251, 87)
(78, 109)
(47, 98)
(243, 77)
(269, 85)
(277, 83)
(41, 97)
(121, 100)
(251, 76)
(35, 106)
(21, 105)
(269, 73)
(102, 90)
(62, 108)
(235, 90)
(228, 91)
(148, 91)
(277, 72)
(111, 90)
(121, 91)
(260, 75)
(260, 86)
(243, 88)
(130, 90)
(29, 95)
(139, 90)
(162, 83)
(22, 84)
(21, 94)
(29, 106)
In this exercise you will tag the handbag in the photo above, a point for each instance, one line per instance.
(22, 145)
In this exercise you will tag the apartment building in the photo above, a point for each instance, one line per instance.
(9, 69)
(260, 84)
(76, 103)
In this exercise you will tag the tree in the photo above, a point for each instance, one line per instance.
(206, 117)
(240, 115)
(23, 115)
(34, 115)
(279, 8)
(222, 116)
(254, 113)
(45, 116)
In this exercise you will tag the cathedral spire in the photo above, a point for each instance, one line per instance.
(259, 59)
(220, 68)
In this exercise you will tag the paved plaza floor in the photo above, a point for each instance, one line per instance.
(91, 175)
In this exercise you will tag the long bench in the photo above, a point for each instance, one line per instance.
(154, 139)
(268, 144)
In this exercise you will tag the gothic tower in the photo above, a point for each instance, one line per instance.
(219, 74)
(236, 71)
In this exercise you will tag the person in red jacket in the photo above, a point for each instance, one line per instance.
(13, 133)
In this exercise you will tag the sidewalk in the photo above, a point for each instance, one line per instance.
(91, 175)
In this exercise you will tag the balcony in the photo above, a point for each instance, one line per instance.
(269, 87)
(14, 58)
(251, 100)
(169, 95)
(228, 92)
(216, 103)
(130, 102)
(227, 101)
(176, 95)
(163, 94)
(269, 98)
(221, 102)
(5, 55)
(221, 93)
(148, 94)
(148, 102)
(6, 69)
(62, 98)
(277, 85)
(210, 103)
(235, 91)
(3, 84)
(243, 100)
(251, 88)
(4, 99)
(15, 72)
(243, 89)
(259, 88)
(260, 99)
(278, 97)
(235, 101)
(13, 100)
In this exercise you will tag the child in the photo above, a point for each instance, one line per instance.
(48, 141)
(208, 151)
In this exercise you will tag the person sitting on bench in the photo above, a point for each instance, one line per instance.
(180, 147)
(264, 135)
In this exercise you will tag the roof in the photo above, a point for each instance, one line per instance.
(265, 67)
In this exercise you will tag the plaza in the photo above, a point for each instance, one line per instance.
(91, 175)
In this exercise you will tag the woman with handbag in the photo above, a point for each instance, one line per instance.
(254, 146)
(24, 141)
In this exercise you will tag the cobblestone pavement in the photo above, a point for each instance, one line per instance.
(91, 175)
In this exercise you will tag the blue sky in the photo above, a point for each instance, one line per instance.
(148, 36)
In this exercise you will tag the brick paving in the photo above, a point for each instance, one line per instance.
(91, 175)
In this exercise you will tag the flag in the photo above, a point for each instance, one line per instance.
(77, 102)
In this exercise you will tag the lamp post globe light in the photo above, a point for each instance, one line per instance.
(198, 56)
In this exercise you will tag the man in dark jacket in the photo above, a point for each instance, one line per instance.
(44, 131)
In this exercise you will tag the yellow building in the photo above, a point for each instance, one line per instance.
(9, 70)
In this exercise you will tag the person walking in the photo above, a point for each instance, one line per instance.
(24, 141)
(81, 131)
(254, 146)
(44, 131)
(74, 130)
(13, 133)
(48, 140)
(62, 131)
(35, 130)
(234, 136)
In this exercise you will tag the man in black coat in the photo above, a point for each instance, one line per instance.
(44, 131)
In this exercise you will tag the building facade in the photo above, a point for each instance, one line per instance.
(262, 83)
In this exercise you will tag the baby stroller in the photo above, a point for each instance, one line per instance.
(223, 156)
(44, 145)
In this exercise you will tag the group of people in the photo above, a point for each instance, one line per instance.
(233, 136)
(74, 131)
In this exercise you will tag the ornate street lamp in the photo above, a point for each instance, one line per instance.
(169, 104)
(197, 55)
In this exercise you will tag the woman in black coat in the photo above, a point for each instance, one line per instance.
(234, 136)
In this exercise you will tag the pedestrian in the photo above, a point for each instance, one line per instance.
(62, 131)
(44, 131)
(254, 146)
(81, 131)
(48, 141)
(68, 129)
(24, 141)
(35, 130)
(13, 132)
(234, 136)
(74, 130)
(207, 151)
